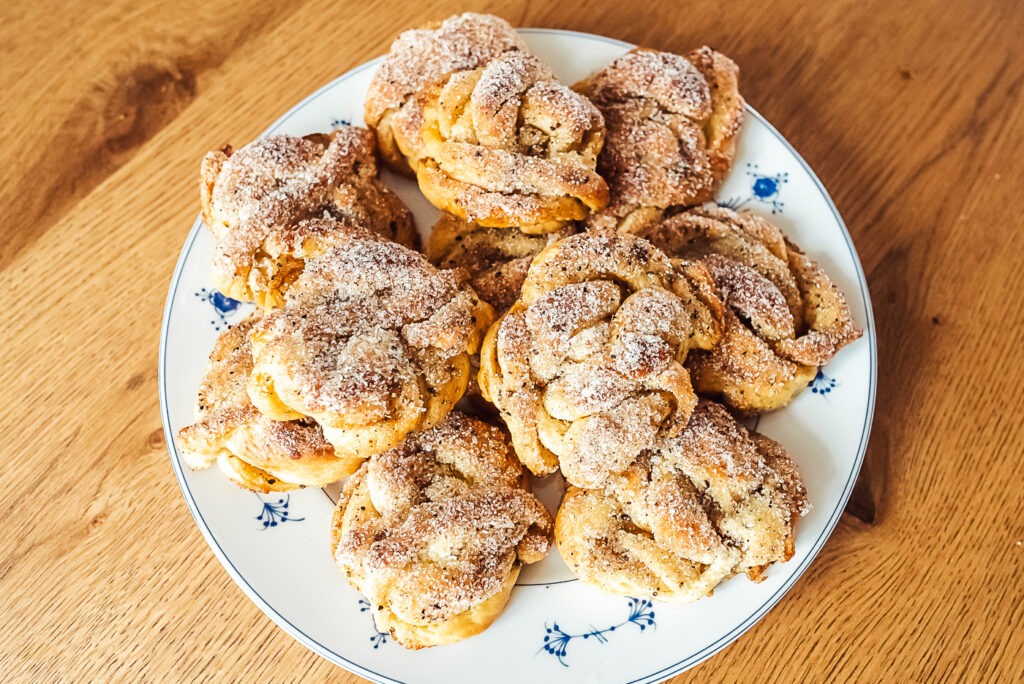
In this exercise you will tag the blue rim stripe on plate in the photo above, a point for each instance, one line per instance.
(664, 673)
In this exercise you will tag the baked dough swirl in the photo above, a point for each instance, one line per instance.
(434, 532)
(495, 258)
(712, 501)
(784, 317)
(587, 365)
(421, 57)
(672, 124)
(258, 201)
(506, 145)
(255, 452)
(373, 342)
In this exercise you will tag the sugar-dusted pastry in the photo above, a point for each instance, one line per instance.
(255, 202)
(495, 258)
(587, 366)
(254, 451)
(506, 145)
(784, 317)
(672, 123)
(435, 531)
(373, 342)
(713, 501)
(418, 59)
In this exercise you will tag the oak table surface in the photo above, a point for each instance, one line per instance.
(912, 114)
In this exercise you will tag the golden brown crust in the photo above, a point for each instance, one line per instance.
(418, 59)
(506, 145)
(784, 317)
(586, 367)
(496, 259)
(373, 342)
(261, 201)
(434, 532)
(255, 452)
(710, 502)
(672, 124)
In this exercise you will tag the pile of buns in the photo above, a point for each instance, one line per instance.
(602, 318)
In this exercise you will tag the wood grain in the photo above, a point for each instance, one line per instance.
(909, 112)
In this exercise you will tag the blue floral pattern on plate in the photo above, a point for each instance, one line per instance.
(223, 307)
(378, 637)
(823, 384)
(556, 640)
(274, 512)
(764, 189)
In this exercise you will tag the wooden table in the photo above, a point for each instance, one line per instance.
(911, 113)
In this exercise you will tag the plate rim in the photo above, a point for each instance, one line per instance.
(691, 660)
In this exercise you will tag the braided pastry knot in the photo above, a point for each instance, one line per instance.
(419, 58)
(263, 204)
(784, 317)
(672, 124)
(255, 452)
(434, 532)
(710, 502)
(507, 145)
(587, 366)
(373, 343)
(495, 258)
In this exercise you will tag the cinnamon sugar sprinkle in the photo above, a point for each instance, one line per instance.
(658, 108)
(263, 192)
(364, 321)
(450, 522)
(606, 321)
(420, 57)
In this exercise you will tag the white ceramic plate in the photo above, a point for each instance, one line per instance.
(276, 546)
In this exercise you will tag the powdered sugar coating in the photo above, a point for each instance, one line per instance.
(586, 367)
(671, 126)
(434, 531)
(505, 145)
(784, 316)
(420, 58)
(254, 451)
(752, 296)
(372, 342)
(709, 502)
(257, 200)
